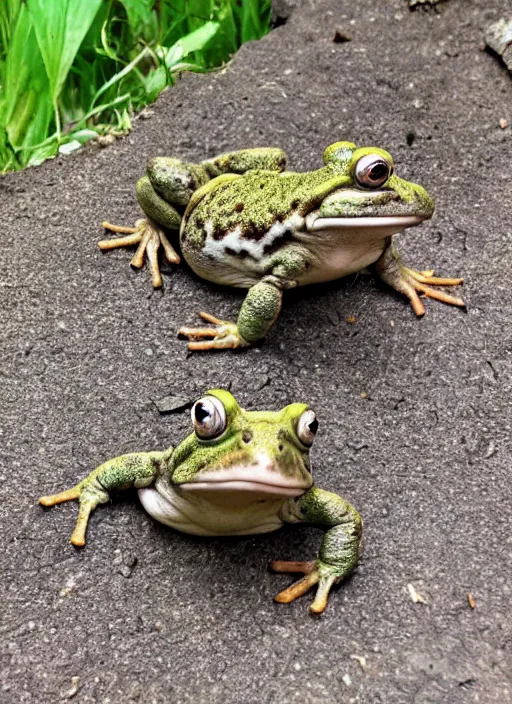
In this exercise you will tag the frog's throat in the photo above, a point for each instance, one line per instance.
(260, 478)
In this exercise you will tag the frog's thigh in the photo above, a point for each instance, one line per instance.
(267, 158)
(155, 207)
(259, 310)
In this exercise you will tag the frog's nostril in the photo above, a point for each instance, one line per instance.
(247, 436)
(280, 448)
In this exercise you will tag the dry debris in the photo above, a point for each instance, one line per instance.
(75, 681)
(341, 37)
(361, 660)
(416, 3)
(417, 598)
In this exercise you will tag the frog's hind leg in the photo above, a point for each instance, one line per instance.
(148, 232)
(415, 283)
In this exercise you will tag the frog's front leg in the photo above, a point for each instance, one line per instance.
(411, 283)
(339, 552)
(138, 470)
(259, 311)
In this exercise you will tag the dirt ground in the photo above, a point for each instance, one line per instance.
(414, 414)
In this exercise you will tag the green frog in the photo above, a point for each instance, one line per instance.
(238, 473)
(246, 222)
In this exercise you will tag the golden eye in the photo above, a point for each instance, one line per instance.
(372, 171)
(306, 428)
(209, 418)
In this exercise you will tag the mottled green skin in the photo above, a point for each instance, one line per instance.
(394, 201)
(343, 541)
(248, 436)
(256, 201)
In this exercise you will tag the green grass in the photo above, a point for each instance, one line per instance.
(71, 70)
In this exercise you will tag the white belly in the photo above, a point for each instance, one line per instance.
(340, 254)
(211, 513)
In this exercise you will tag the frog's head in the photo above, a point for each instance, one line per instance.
(261, 453)
(370, 196)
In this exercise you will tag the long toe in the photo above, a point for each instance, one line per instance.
(440, 295)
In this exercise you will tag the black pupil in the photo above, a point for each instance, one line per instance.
(378, 171)
(313, 426)
(201, 413)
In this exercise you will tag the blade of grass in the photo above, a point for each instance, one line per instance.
(25, 107)
(60, 27)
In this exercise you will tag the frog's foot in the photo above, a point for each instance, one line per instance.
(89, 494)
(313, 574)
(224, 335)
(415, 283)
(149, 237)
(423, 282)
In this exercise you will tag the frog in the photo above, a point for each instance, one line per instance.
(237, 473)
(244, 221)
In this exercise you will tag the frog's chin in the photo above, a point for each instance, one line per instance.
(257, 479)
(383, 226)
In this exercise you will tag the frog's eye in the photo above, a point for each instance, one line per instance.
(209, 418)
(307, 427)
(372, 171)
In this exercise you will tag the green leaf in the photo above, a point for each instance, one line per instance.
(60, 27)
(25, 104)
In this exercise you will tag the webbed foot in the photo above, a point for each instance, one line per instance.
(415, 283)
(223, 335)
(314, 572)
(149, 237)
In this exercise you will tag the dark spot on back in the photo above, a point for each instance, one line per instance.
(239, 207)
(219, 233)
(253, 233)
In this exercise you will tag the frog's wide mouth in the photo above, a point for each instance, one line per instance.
(365, 222)
(258, 478)
(351, 208)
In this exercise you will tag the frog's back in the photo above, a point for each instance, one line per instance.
(237, 225)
